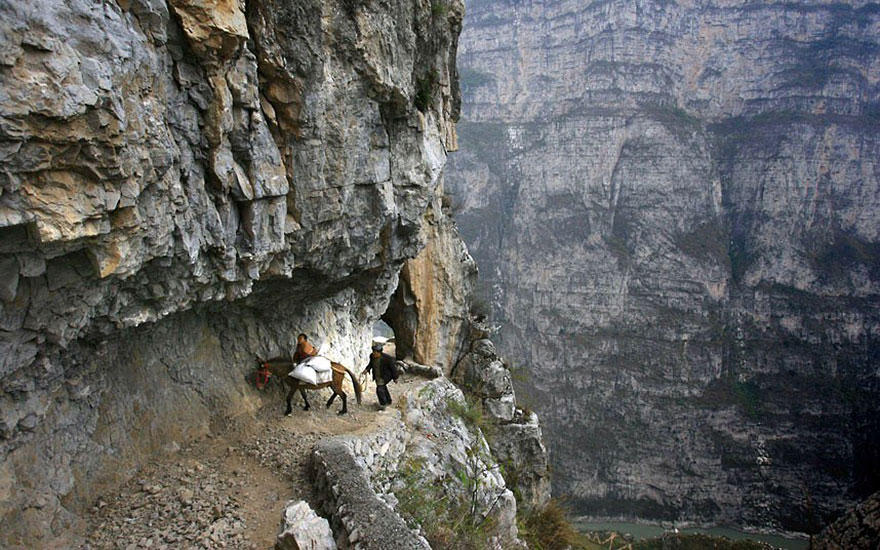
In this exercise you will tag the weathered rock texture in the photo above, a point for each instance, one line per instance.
(342, 467)
(675, 210)
(516, 439)
(859, 528)
(302, 529)
(186, 185)
(358, 474)
(430, 310)
(431, 314)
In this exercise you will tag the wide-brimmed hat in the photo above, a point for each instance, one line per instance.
(379, 342)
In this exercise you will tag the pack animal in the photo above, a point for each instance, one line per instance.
(280, 368)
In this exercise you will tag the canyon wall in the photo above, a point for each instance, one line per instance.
(185, 186)
(674, 206)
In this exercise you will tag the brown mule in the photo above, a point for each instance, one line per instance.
(281, 367)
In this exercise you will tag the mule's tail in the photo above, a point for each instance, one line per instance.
(356, 384)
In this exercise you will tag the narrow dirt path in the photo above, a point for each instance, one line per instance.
(228, 490)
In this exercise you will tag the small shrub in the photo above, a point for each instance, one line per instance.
(439, 8)
(419, 503)
(471, 411)
(424, 96)
(550, 528)
(480, 307)
(447, 520)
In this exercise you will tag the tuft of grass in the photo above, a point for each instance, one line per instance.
(424, 96)
(550, 528)
(471, 411)
(419, 503)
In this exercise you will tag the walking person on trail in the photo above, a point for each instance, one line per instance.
(384, 371)
(304, 349)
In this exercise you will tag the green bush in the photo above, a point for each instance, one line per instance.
(550, 528)
(424, 96)
(471, 411)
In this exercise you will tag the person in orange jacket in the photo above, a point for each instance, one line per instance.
(304, 349)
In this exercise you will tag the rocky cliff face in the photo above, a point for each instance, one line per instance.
(186, 185)
(858, 528)
(431, 309)
(424, 455)
(674, 207)
(431, 314)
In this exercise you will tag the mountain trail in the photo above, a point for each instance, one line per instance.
(228, 490)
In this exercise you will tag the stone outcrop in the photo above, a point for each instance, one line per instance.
(516, 439)
(674, 209)
(519, 446)
(366, 521)
(186, 185)
(430, 311)
(432, 314)
(486, 376)
(302, 529)
(443, 442)
(858, 528)
(357, 475)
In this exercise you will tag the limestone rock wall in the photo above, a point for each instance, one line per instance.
(435, 324)
(674, 209)
(430, 311)
(516, 438)
(185, 185)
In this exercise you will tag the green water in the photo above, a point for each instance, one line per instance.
(641, 531)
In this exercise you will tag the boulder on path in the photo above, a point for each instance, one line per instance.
(303, 529)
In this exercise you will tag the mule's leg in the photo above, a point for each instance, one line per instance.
(302, 392)
(332, 397)
(344, 402)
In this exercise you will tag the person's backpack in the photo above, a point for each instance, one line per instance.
(389, 369)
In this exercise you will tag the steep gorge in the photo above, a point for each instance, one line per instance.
(185, 186)
(675, 210)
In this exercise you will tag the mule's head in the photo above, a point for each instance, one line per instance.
(263, 374)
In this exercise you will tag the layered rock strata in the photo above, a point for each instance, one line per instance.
(674, 207)
(186, 185)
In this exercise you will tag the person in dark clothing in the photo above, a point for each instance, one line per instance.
(384, 371)
(304, 349)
